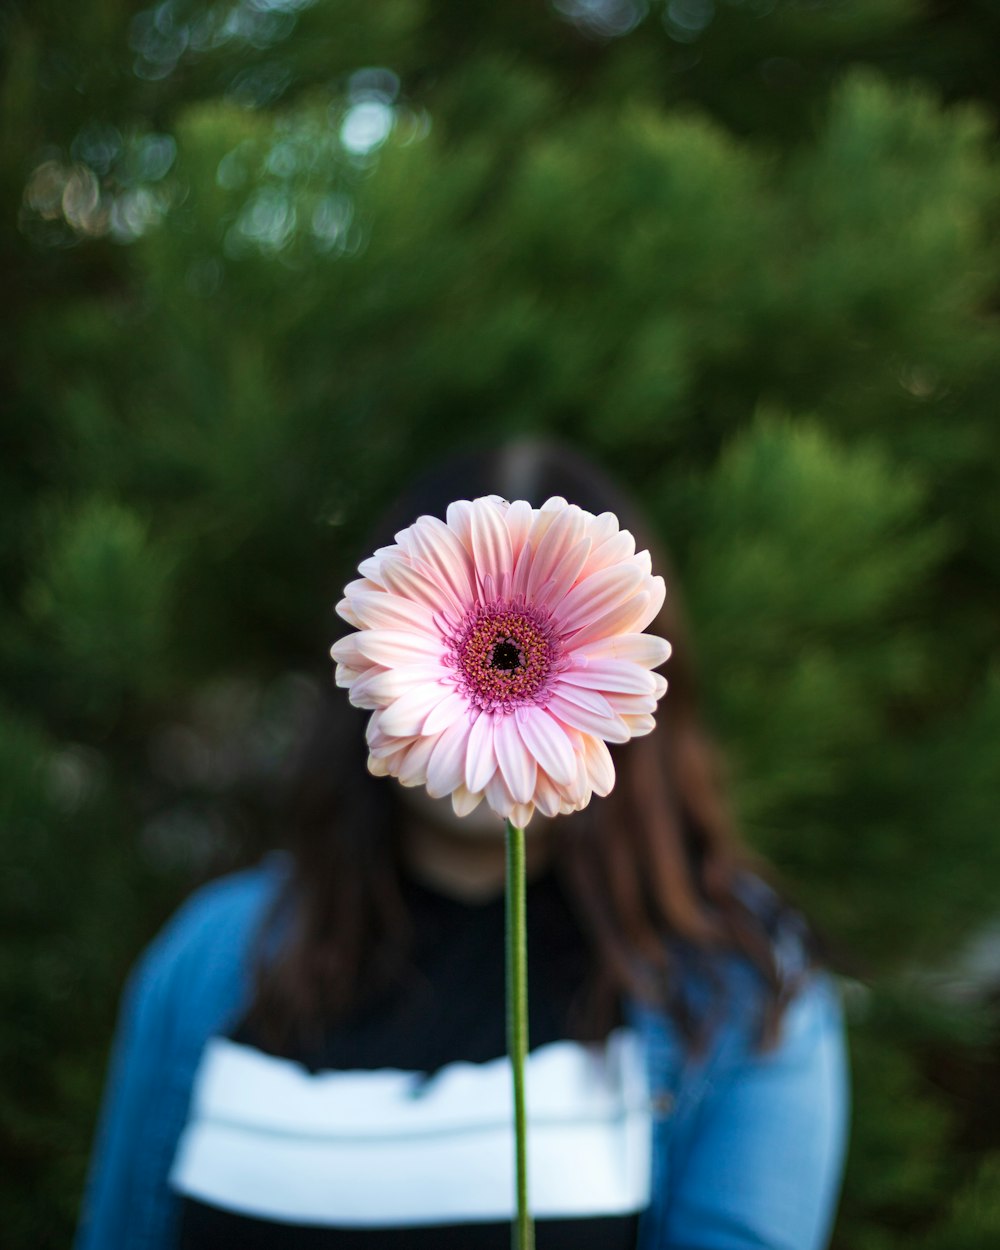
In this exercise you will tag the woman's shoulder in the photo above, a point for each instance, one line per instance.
(227, 905)
(203, 954)
(729, 999)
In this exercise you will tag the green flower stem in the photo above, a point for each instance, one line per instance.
(523, 1231)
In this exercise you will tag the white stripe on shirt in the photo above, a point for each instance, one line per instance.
(390, 1148)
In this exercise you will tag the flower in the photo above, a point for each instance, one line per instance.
(500, 650)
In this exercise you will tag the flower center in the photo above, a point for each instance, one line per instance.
(503, 654)
(507, 655)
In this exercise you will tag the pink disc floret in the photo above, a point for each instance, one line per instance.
(504, 655)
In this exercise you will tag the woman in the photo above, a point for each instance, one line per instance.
(339, 1010)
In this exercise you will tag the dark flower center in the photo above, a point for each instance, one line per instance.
(504, 654)
(507, 655)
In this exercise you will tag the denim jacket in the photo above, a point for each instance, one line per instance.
(747, 1145)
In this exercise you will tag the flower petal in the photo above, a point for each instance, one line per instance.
(412, 769)
(498, 796)
(615, 549)
(542, 521)
(463, 801)
(401, 578)
(390, 748)
(360, 691)
(443, 557)
(605, 725)
(600, 768)
(591, 700)
(602, 527)
(519, 517)
(596, 595)
(398, 646)
(564, 534)
(361, 584)
(578, 791)
(372, 567)
(626, 705)
(459, 520)
(384, 760)
(379, 767)
(378, 609)
(346, 612)
(656, 587)
(491, 545)
(548, 798)
(345, 651)
(480, 760)
(405, 716)
(521, 814)
(446, 766)
(349, 677)
(552, 592)
(373, 730)
(646, 650)
(548, 743)
(382, 685)
(451, 708)
(501, 801)
(622, 619)
(610, 675)
(516, 762)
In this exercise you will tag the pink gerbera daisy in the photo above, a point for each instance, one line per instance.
(499, 652)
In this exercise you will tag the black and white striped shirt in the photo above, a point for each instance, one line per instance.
(397, 1133)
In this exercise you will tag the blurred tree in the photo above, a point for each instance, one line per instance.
(264, 257)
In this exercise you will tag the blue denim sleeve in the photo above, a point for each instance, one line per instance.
(189, 983)
(758, 1164)
(125, 1204)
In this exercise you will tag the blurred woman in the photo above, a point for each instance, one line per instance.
(312, 1053)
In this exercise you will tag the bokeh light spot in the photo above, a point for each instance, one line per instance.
(366, 126)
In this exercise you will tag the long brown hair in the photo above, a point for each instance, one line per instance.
(655, 873)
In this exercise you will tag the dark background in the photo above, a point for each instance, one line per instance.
(261, 259)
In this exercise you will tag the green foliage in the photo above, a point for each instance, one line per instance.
(263, 261)
(975, 1213)
(99, 600)
(70, 878)
(909, 1181)
(810, 575)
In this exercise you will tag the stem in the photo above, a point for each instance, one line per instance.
(523, 1231)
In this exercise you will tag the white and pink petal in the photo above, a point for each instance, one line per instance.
(397, 647)
(442, 556)
(595, 596)
(383, 685)
(610, 677)
(406, 715)
(517, 764)
(481, 759)
(412, 767)
(463, 801)
(400, 577)
(585, 710)
(518, 519)
(548, 742)
(446, 765)
(378, 609)
(646, 650)
(600, 767)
